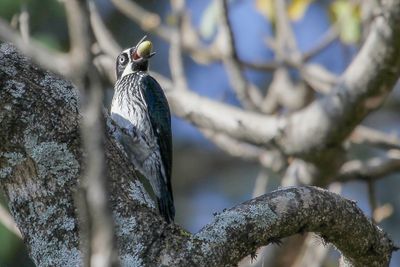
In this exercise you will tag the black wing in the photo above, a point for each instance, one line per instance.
(160, 118)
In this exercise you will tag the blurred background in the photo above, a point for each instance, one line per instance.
(206, 179)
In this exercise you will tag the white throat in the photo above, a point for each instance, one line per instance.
(128, 70)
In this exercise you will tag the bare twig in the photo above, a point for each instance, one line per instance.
(273, 64)
(260, 186)
(282, 92)
(368, 136)
(383, 212)
(371, 169)
(101, 250)
(147, 20)
(79, 35)
(100, 224)
(327, 39)
(103, 36)
(247, 94)
(234, 147)
(286, 47)
(24, 24)
(14, 21)
(175, 52)
(300, 172)
(268, 66)
(318, 77)
(190, 42)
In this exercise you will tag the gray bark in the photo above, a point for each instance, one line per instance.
(41, 162)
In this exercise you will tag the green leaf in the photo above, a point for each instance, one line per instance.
(296, 9)
(266, 8)
(347, 15)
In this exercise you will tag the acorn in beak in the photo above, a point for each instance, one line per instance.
(143, 50)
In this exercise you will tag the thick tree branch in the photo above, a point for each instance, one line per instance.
(241, 230)
(271, 159)
(41, 161)
(210, 114)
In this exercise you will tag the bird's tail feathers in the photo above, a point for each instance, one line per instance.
(166, 206)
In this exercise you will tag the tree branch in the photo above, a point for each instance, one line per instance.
(372, 137)
(103, 36)
(96, 224)
(327, 39)
(371, 169)
(248, 95)
(239, 231)
(147, 20)
(41, 161)
(175, 52)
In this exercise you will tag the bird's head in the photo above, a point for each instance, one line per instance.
(134, 59)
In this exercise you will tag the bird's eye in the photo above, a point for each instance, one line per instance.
(122, 59)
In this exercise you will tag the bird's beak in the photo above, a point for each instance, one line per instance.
(142, 51)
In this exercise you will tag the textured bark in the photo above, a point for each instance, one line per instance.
(41, 161)
(239, 231)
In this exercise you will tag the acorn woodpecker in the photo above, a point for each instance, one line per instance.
(140, 108)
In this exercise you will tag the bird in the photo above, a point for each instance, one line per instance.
(140, 108)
